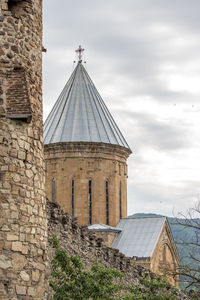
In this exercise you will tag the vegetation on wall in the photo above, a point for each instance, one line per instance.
(70, 280)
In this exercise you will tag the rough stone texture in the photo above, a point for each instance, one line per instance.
(23, 223)
(107, 237)
(77, 240)
(82, 162)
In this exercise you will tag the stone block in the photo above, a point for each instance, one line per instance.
(22, 192)
(36, 275)
(25, 249)
(24, 276)
(12, 237)
(29, 173)
(5, 263)
(30, 132)
(19, 261)
(21, 155)
(32, 291)
(17, 246)
(13, 153)
(21, 290)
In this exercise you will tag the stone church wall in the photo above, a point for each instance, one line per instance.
(23, 225)
(82, 162)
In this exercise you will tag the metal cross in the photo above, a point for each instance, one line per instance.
(79, 51)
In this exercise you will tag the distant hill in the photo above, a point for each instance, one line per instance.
(183, 236)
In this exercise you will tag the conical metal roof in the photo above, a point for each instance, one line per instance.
(80, 114)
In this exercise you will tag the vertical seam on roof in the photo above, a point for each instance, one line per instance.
(67, 112)
(86, 109)
(65, 102)
(94, 102)
(56, 107)
(91, 92)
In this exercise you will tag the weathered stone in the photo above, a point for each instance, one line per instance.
(5, 263)
(19, 261)
(16, 178)
(11, 237)
(21, 290)
(17, 246)
(29, 173)
(13, 153)
(36, 275)
(25, 249)
(22, 192)
(31, 291)
(21, 155)
(24, 276)
(40, 266)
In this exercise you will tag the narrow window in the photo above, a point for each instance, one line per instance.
(120, 200)
(107, 204)
(53, 190)
(90, 202)
(73, 198)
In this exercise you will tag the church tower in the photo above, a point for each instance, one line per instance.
(85, 154)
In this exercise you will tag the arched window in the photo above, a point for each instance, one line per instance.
(53, 190)
(72, 197)
(120, 200)
(107, 204)
(90, 201)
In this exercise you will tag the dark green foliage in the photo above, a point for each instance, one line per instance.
(69, 280)
(151, 289)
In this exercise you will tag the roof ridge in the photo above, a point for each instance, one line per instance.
(144, 217)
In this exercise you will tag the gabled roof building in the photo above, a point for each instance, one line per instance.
(146, 239)
(85, 154)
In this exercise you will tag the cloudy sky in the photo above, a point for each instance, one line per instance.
(144, 58)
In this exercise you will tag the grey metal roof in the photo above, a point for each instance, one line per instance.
(80, 114)
(103, 227)
(139, 236)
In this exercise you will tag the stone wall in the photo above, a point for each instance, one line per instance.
(23, 224)
(77, 240)
(108, 237)
(82, 162)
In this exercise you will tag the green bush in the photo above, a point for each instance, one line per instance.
(69, 280)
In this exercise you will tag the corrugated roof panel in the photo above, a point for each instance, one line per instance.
(139, 235)
(80, 114)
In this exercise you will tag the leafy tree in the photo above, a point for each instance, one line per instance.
(69, 280)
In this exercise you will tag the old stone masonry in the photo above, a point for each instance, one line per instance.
(22, 215)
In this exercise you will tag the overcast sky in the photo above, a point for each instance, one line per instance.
(144, 58)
